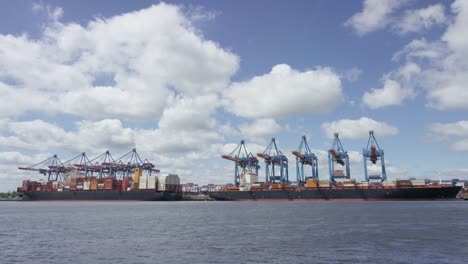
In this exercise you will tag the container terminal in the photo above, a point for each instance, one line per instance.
(102, 178)
(131, 178)
(339, 186)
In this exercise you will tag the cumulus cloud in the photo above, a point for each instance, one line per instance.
(44, 136)
(358, 128)
(147, 56)
(260, 128)
(284, 92)
(375, 15)
(447, 131)
(421, 19)
(391, 94)
(442, 63)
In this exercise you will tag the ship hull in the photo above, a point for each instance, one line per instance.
(429, 193)
(101, 196)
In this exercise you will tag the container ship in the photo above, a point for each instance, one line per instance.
(345, 190)
(102, 178)
(339, 185)
(151, 188)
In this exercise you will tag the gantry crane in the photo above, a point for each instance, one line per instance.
(130, 161)
(51, 167)
(272, 157)
(337, 154)
(244, 161)
(304, 156)
(80, 163)
(373, 152)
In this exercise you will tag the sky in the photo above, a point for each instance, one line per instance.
(184, 81)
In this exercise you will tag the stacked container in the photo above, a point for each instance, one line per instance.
(418, 182)
(168, 182)
(86, 185)
(349, 183)
(324, 184)
(93, 184)
(143, 184)
(152, 181)
(403, 183)
(311, 183)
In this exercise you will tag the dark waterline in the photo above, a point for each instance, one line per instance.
(233, 232)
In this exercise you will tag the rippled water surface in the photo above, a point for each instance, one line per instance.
(234, 232)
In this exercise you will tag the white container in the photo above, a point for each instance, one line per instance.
(143, 184)
(248, 178)
(152, 180)
(86, 185)
(167, 179)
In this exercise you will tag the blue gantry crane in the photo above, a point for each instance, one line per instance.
(104, 164)
(273, 157)
(130, 161)
(373, 152)
(337, 154)
(52, 167)
(304, 156)
(244, 161)
(80, 163)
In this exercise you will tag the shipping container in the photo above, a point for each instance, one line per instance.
(86, 185)
(143, 184)
(152, 182)
(168, 181)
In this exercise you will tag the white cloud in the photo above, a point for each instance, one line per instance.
(260, 128)
(375, 15)
(284, 92)
(391, 94)
(359, 128)
(352, 74)
(451, 129)
(190, 113)
(447, 131)
(44, 136)
(146, 56)
(442, 63)
(421, 19)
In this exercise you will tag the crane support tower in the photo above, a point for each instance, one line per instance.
(51, 167)
(80, 163)
(337, 154)
(244, 161)
(131, 161)
(274, 157)
(373, 152)
(304, 156)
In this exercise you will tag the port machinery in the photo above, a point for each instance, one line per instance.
(244, 161)
(337, 154)
(274, 157)
(373, 153)
(51, 167)
(304, 156)
(103, 165)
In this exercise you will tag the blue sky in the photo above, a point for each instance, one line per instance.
(185, 81)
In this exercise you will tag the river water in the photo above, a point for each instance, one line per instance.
(234, 232)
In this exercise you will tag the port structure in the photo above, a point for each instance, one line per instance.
(103, 165)
(244, 161)
(51, 167)
(274, 157)
(337, 154)
(373, 153)
(304, 156)
(80, 163)
(131, 161)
